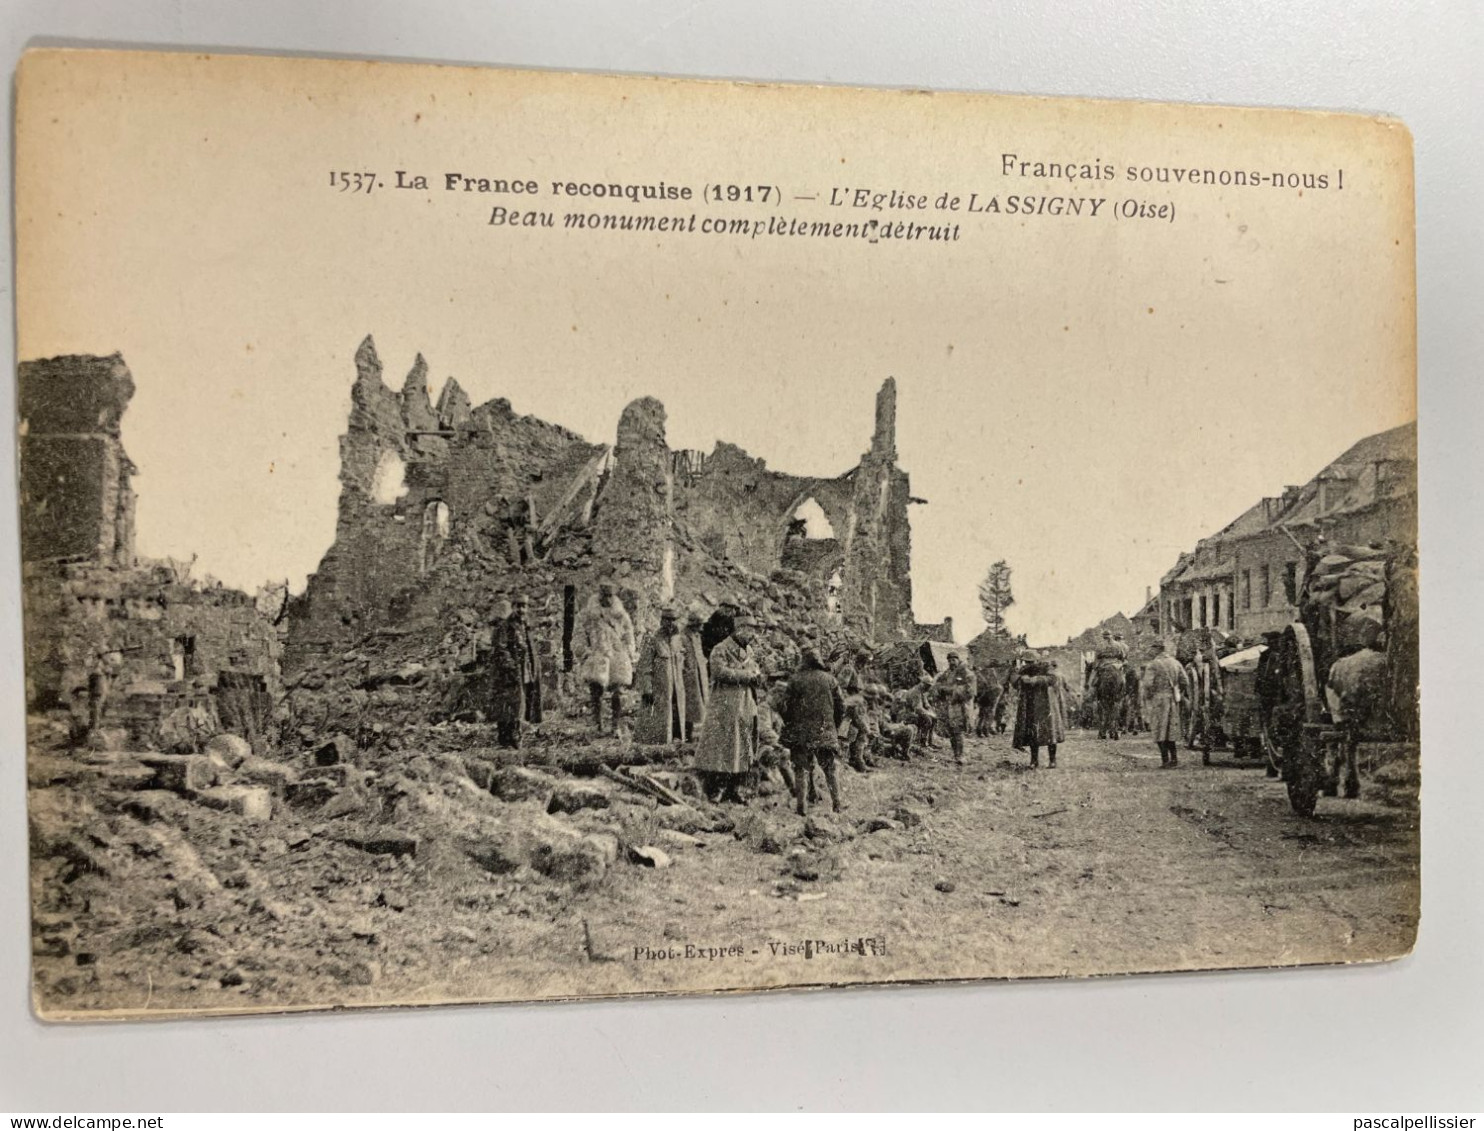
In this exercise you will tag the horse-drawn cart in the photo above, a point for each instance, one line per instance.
(1357, 608)
(1241, 719)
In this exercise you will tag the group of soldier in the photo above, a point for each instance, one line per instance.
(700, 680)
(1173, 701)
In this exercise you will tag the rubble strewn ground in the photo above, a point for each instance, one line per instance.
(465, 874)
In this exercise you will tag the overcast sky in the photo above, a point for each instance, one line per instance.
(1082, 398)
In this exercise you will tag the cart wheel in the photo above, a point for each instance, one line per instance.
(1302, 760)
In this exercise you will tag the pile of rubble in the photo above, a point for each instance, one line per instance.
(176, 877)
(392, 684)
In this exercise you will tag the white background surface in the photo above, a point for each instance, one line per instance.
(1406, 1036)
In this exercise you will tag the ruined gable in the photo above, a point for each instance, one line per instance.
(745, 512)
(457, 470)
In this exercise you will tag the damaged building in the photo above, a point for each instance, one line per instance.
(445, 506)
(179, 656)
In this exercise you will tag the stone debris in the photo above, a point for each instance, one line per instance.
(250, 801)
(650, 857)
(182, 773)
(229, 750)
(570, 797)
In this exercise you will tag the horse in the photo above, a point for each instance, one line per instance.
(1109, 689)
(1355, 693)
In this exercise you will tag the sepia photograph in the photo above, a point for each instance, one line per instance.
(496, 535)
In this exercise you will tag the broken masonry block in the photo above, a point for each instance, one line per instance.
(481, 773)
(344, 803)
(251, 801)
(516, 783)
(649, 856)
(308, 794)
(572, 798)
(231, 748)
(382, 842)
(340, 774)
(181, 773)
(338, 748)
(260, 771)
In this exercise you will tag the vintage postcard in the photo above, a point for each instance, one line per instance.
(501, 535)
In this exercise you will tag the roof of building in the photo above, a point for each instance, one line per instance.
(1379, 467)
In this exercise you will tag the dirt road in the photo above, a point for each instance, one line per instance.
(1106, 864)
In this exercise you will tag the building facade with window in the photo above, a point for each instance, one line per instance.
(1244, 578)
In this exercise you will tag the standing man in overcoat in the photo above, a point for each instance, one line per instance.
(604, 641)
(508, 665)
(1039, 719)
(1165, 688)
(660, 680)
(695, 676)
(727, 746)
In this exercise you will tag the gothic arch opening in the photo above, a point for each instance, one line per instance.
(434, 533)
(389, 481)
(810, 522)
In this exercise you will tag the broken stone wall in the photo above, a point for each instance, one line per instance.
(170, 645)
(743, 512)
(76, 498)
(424, 490)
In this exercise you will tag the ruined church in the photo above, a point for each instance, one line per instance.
(444, 507)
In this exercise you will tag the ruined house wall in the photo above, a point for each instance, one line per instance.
(76, 498)
(175, 644)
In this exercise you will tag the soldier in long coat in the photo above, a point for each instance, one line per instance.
(1165, 688)
(603, 640)
(660, 680)
(727, 746)
(511, 666)
(1061, 697)
(695, 676)
(1039, 718)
